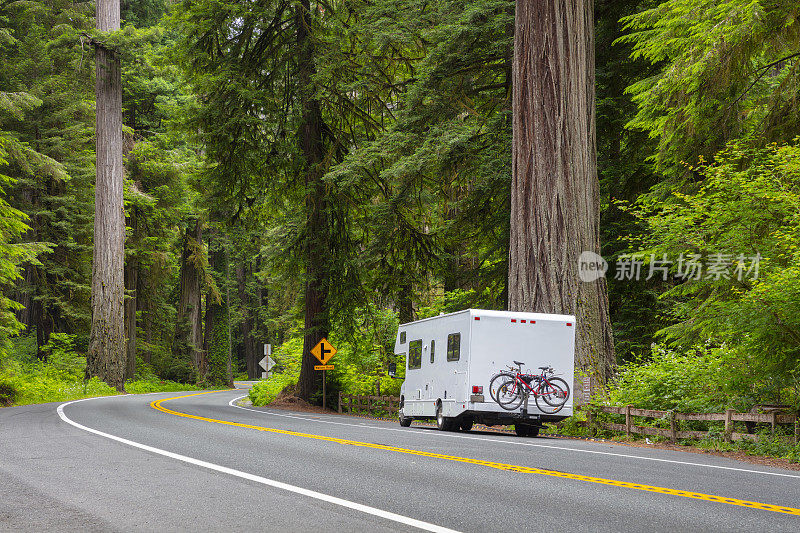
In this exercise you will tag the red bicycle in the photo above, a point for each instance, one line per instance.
(509, 390)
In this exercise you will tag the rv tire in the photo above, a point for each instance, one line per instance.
(442, 422)
(405, 421)
(466, 424)
(524, 430)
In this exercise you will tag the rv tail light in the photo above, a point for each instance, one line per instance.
(477, 389)
(513, 320)
(477, 318)
(569, 323)
(533, 322)
(522, 321)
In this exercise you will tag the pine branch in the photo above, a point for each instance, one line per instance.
(763, 70)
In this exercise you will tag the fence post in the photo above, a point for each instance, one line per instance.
(350, 409)
(369, 404)
(728, 424)
(340, 402)
(673, 427)
(773, 417)
(627, 420)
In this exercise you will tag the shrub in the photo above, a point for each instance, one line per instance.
(265, 392)
(8, 394)
(700, 380)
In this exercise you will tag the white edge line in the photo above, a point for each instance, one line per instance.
(440, 434)
(258, 479)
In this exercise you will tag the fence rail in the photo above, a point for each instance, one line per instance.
(357, 403)
(729, 417)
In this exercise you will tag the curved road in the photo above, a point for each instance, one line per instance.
(181, 461)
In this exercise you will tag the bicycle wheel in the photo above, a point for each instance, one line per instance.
(552, 395)
(509, 395)
(557, 397)
(495, 383)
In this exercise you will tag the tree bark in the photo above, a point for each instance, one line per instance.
(555, 192)
(317, 324)
(189, 301)
(106, 355)
(249, 348)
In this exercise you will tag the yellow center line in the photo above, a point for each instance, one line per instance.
(501, 466)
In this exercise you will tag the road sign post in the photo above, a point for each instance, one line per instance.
(323, 351)
(266, 363)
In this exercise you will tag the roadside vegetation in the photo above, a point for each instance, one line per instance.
(26, 379)
(706, 379)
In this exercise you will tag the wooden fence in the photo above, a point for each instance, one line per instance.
(729, 417)
(356, 403)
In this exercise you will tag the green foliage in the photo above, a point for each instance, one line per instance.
(768, 445)
(8, 393)
(37, 381)
(361, 360)
(728, 69)
(25, 379)
(265, 392)
(61, 353)
(699, 380)
(746, 207)
(287, 357)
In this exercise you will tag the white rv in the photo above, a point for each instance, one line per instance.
(451, 358)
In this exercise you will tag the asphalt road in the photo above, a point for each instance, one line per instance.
(200, 463)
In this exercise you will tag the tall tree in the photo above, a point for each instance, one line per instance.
(106, 355)
(189, 318)
(555, 192)
(312, 150)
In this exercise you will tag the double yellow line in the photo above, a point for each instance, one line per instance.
(500, 466)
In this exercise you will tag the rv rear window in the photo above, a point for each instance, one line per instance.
(453, 346)
(402, 337)
(415, 354)
(433, 349)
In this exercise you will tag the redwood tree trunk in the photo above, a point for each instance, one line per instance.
(243, 274)
(317, 324)
(189, 325)
(106, 355)
(555, 196)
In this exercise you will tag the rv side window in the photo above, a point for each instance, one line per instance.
(402, 337)
(433, 349)
(453, 346)
(415, 354)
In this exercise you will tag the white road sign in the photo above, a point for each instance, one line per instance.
(267, 363)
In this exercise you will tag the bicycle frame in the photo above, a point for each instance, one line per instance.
(540, 379)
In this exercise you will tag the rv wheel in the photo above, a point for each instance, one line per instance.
(405, 421)
(526, 430)
(466, 424)
(442, 422)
